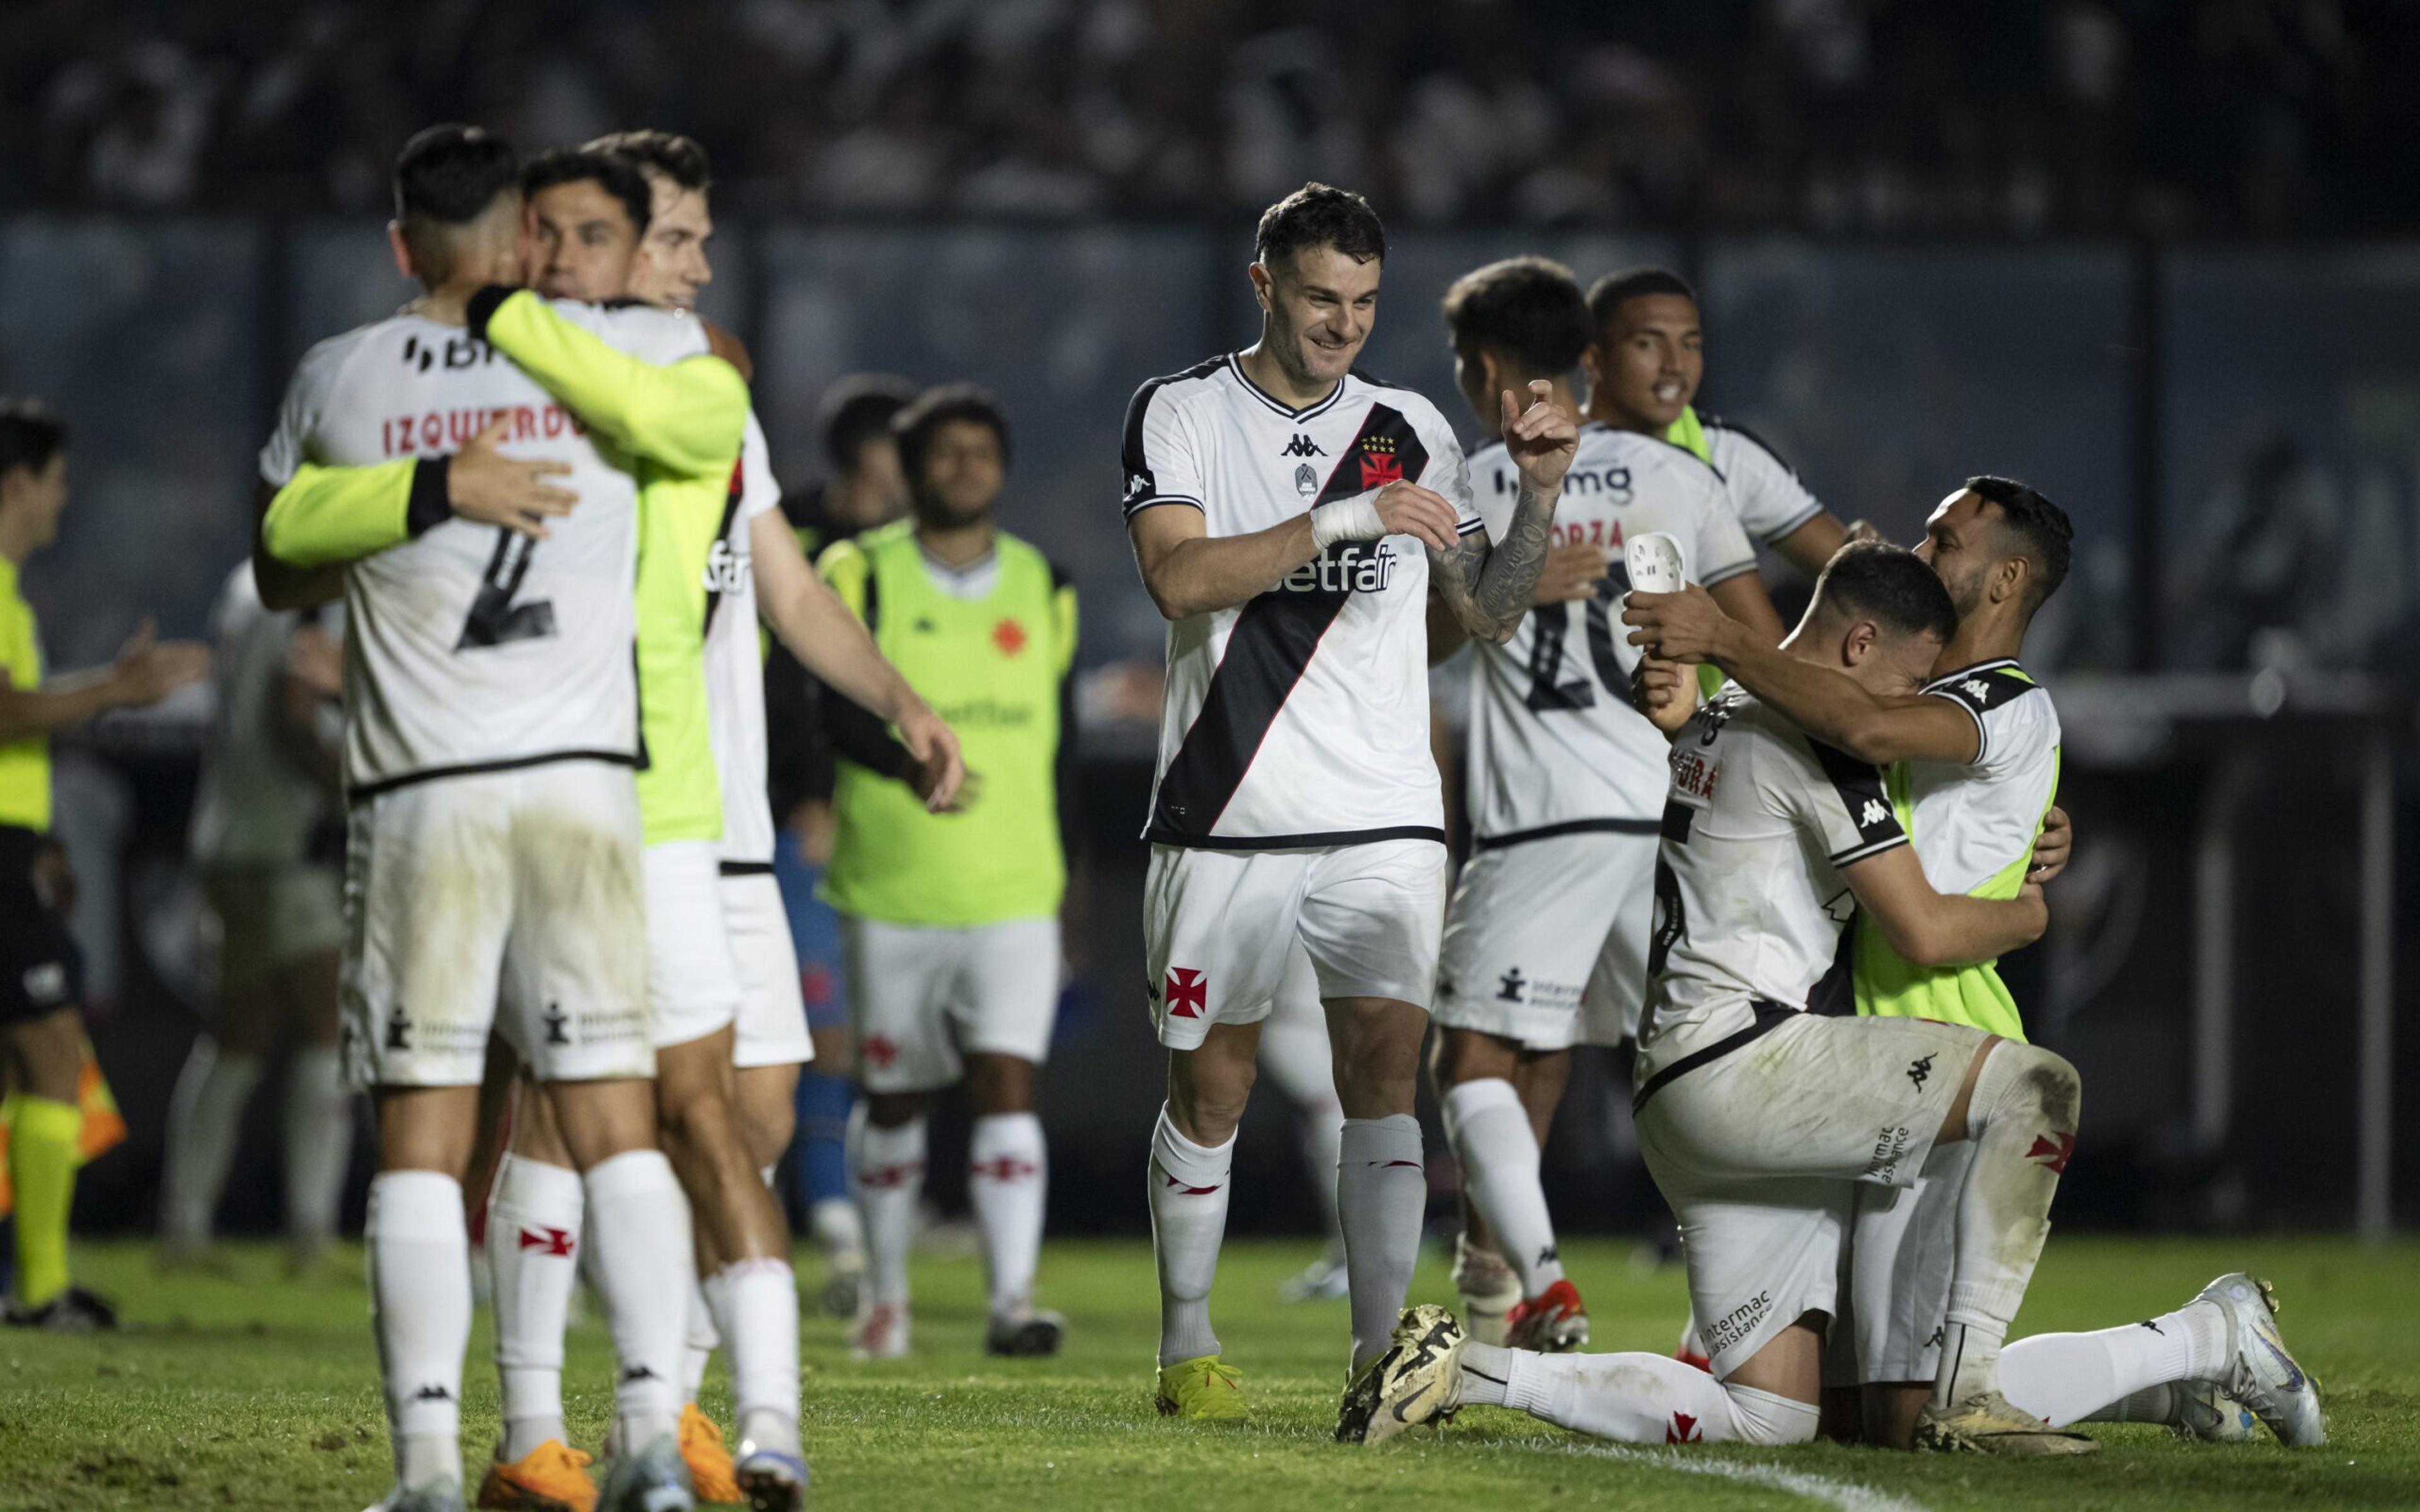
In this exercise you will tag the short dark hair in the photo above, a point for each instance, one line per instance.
(913, 426)
(31, 433)
(1608, 294)
(680, 159)
(449, 175)
(1890, 585)
(2031, 527)
(859, 409)
(613, 173)
(1526, 309)
(1319, 215)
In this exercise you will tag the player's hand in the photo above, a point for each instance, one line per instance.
(1572, 572)
(148, 668)
(1683, 626)
(1408, 509)
(1665, 691)
(316, 659)
(486, 488)
(938, 769)
(2052, 847)
(1542, 439)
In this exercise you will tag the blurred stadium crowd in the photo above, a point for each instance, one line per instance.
(2161, 116)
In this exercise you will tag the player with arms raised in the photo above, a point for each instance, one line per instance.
(1290, 518)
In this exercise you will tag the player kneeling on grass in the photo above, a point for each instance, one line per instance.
(949, 922)
(1756, 1118)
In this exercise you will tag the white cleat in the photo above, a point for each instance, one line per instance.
(1419, 1380)
(771, 1480)
(881, 1332)
(2207, 1414)
(445, 1496)
(2262, 1376)
(1024, 1332)
(652, 1480)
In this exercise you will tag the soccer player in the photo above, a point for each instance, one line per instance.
(494, 865)
(949, 922)
(1972, 767)
(1758, 1119)
(1296, 1054)
(1546, 939)
(267, 845)
(1644, 370)
(41, 1026)
(1290, 518)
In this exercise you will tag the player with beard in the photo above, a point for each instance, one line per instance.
(1289, 517)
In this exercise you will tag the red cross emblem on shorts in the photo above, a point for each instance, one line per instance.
(880, 1050)
(1189, 993)
(554, 1241)
(2053, 1150)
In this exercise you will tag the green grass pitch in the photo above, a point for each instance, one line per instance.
(258, 1393)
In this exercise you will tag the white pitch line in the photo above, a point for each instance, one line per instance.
(1847, 1495)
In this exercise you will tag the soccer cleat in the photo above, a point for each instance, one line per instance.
(552, 1477)
(1489, 1290)
(1690, 1350)
(1321, 1280)
(2262, 1376)
(1204, 1387)
(881, 1332)
(1024, 1332)
(652, 1480)
(1417, 1380)
(2207, 1414)
(73, 1311)
(445, 1496)
(709, 1461)
(1554, 1321)
(770, 1480)
(1988, 1423)
(844, 1291)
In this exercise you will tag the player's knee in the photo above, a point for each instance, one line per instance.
(2032, 1083)
(1763, 1418)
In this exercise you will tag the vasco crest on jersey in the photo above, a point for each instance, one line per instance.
(1380, 465)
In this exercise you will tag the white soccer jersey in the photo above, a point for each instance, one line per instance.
(470, 646)
(1974, 821)
(1555, 744)
(1748, 897)
(253, 805)
(734, 660)
(1300, 717)
(1764, 490)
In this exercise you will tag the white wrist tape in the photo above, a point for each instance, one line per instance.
(1346, 519)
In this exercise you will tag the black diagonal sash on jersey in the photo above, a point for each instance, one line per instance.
(731, 501)
(1269, 649)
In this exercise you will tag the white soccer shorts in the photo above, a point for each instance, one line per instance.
(924, 997)
(507, 901)
(692, 983)
(772, 1024)
(1545, 941)
(1760, 1149)
(1902, 1246)
(1218, 926)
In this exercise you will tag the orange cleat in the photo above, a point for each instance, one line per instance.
(711, 1477)
(552, 1477)
(1554, 1321)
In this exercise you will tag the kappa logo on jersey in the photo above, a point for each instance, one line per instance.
(457, 354)
(1874, 812)
(557, 1243)
(2053, 1150)
(1380, 466)
(1302, 446)
(1920, 1070)
(1346, 567)
(1189, 993)
(1978, 690)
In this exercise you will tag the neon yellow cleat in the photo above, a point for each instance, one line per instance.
(1204, 1387)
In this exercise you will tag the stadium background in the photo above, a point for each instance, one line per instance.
(2147, 256)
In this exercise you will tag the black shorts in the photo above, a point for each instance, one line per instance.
(39, 970)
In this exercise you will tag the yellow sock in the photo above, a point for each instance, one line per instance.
(42, 1167)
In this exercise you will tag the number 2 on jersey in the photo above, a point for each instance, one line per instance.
(495, 618)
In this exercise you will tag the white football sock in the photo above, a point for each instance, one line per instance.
(2022, 1120)
(1490, 1133)
(1188, 1186)
(1008, 1182)
(2066, 1377)
(638, 1223)
(839, 1230)
(699, 1336)
(1382, 1193)
(534, 1220)
(889, 1179)
(420, 1308)
(204, 1116)
(756, 1306)
(319, 1143)
(2163, 1404)
(1631, 1398)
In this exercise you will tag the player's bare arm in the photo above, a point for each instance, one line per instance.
(1812, 545)
(1931, 930)
(832, 644)
(1489, 584)
(146, 670)
(1828, 705)
(1743, 598)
